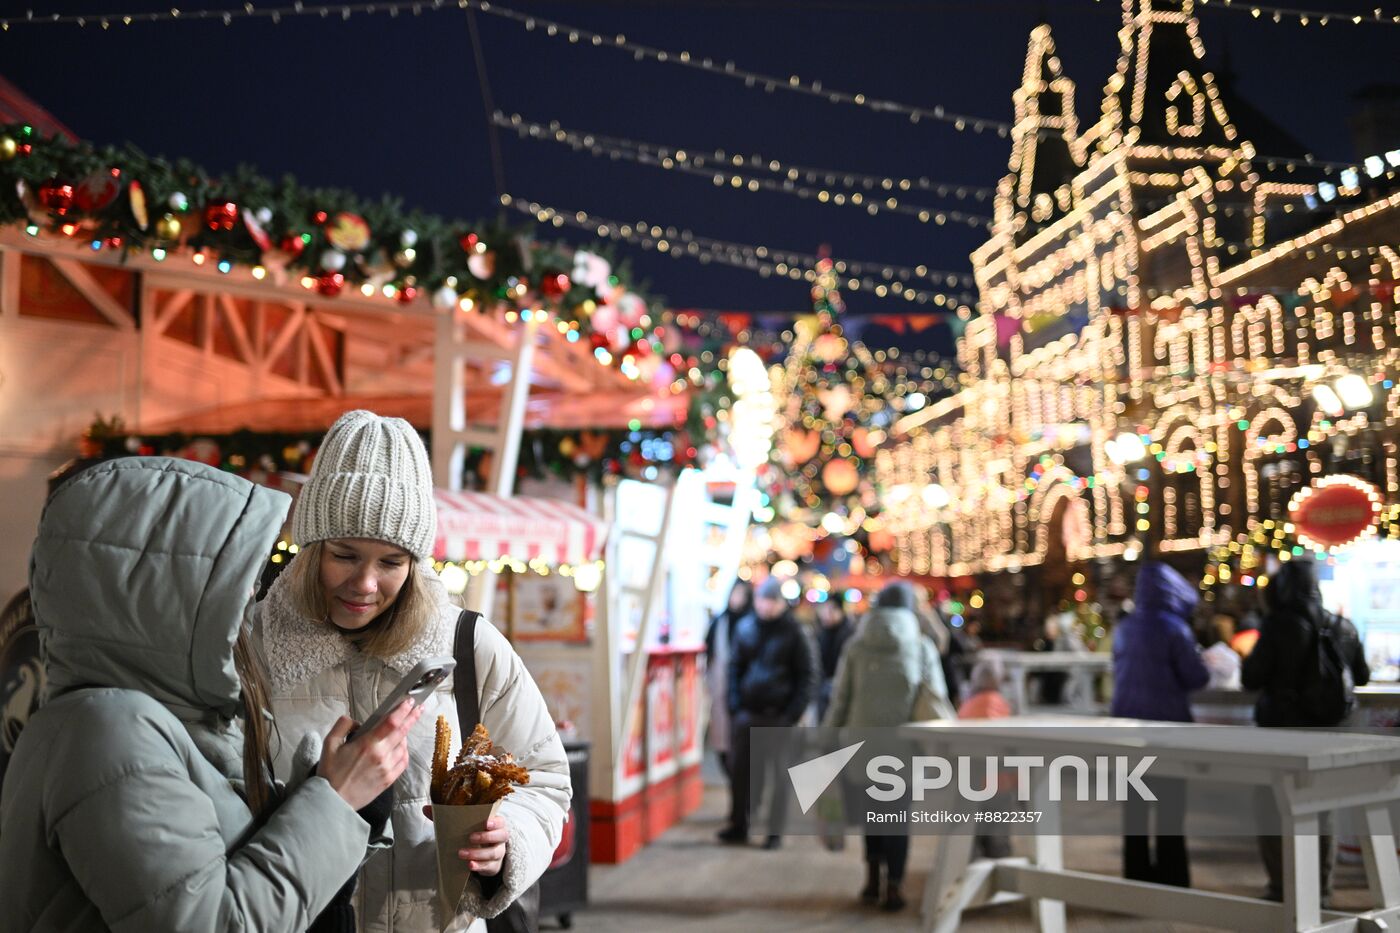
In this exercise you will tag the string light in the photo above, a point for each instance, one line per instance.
(720, 160)
(726, 177)
(761, 259)
(1277, 14)
(576, 35)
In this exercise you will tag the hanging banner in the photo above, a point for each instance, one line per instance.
(1335, 511)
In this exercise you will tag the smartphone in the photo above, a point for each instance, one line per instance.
(417, 685)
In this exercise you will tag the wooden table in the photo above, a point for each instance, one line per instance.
(1311, 773)
(1081, 666)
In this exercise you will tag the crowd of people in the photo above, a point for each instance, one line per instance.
(901, 662)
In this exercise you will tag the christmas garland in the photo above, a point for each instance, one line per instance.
(597, 455)
(119, 198)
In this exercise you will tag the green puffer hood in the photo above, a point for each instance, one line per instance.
(141, 574)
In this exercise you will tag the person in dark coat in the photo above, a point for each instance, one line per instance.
(1293, 620)
(719, 640)
(1156, 667)
(834, 629)
(773, 676)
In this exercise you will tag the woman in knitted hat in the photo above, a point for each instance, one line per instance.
(355, 610)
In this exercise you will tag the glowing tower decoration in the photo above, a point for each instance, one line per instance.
(1147, 279)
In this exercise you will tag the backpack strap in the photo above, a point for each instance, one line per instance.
(464, 683)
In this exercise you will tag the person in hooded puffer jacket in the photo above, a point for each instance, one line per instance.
(878, 680)
(360, 605)
(137, 799)
(1278, 669)
(1156, 667)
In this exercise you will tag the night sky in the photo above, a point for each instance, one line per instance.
(393, 105)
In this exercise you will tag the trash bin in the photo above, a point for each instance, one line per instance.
(564, 885)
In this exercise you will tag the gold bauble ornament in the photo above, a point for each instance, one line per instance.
(168, 227)
(8, 148)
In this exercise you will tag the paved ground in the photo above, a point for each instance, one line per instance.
(686, 882)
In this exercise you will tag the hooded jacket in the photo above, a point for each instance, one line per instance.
(1156, 664)
(1275, 666)
(773, 669)
(317, 675)
(122, 807)
(880, 672)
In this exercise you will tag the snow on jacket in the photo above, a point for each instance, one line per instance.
(122, 807)
(880, 672)
(773, 668)
(317, 675)
(1156, 664)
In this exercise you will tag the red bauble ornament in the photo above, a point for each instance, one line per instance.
(292, 244)
(222, 216)
(319, 217)
(406, 294)
(97, 191)
(555, 286)
(56, 196)
(330, 283)
(469, 241)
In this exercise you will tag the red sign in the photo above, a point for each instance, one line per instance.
(1335, 511)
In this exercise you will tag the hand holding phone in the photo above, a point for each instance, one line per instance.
(417, 685)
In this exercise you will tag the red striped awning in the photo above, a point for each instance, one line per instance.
(477, 526)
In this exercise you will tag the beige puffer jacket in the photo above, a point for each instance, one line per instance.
(316, 675)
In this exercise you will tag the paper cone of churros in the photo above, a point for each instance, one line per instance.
(465, 795)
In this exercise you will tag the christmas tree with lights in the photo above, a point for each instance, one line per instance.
(835, 400)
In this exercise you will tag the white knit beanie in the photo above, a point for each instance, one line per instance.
(371, 479)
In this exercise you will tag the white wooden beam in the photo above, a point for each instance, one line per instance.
(509, 426)
(285, 337)
(95, 295)
(323, 356)
(9, 283)
(234, 318)
(636, 664)
(206, 324)
(162, 319)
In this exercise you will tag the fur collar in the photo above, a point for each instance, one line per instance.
(296, 649)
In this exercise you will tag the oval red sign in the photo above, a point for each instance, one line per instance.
(1334, 511)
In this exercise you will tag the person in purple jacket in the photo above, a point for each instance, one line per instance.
(1156, 667)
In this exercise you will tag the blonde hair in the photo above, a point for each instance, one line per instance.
(411, 613)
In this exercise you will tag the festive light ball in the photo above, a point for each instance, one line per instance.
(330, 284)
(8, 148)
(97, 191)
(631, 309)
(840, 477)
(408, 239)
(444, 298)
(56, 196)
(469, 242)
(292, 245)
(178, 202)
(263, 215)
(333, 260)
(567, 447)
(406, 294)
(554, 286)
(221, 216)
(168, 227)
(604, 319)
(348, 232)
(482, 265)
